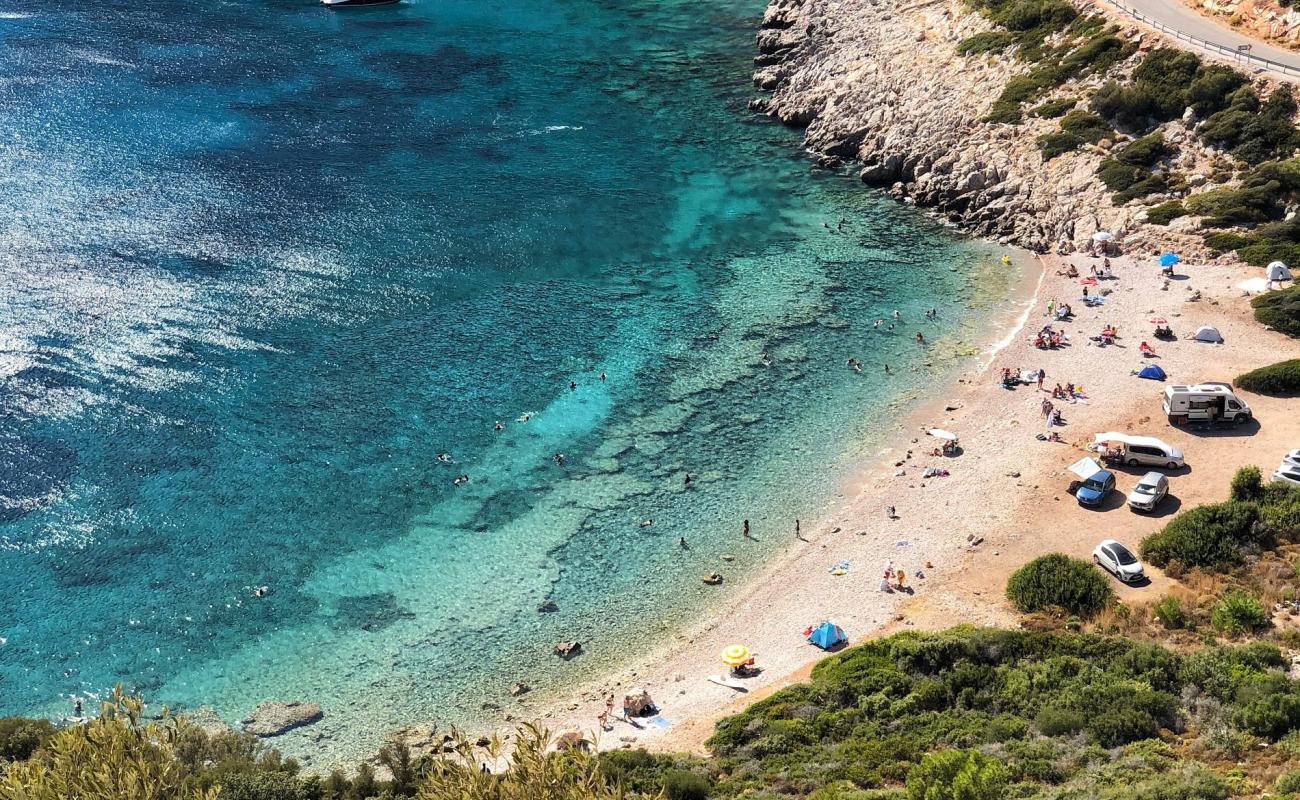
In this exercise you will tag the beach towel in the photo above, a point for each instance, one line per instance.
(839, 568)
(657, 721)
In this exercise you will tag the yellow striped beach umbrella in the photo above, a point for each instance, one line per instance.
(735, 655)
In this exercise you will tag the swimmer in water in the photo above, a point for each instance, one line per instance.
(444, 458)
(920, 337)
(522, 418)
(559, 458)
(499, 426)
(572, 386)
(261, 591)
(886, 369)
(602, 376)
(647, 522)
(681, 542)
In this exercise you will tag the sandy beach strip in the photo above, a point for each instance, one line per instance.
(1006, 488)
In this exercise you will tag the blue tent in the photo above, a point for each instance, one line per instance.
(1169, 259)
(1153, 372)
(828, 635)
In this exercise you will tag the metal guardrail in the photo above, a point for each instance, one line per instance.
(1240, 54)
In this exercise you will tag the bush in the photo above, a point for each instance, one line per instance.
(681, 784)
(20, 737)
(1087, 126)
(957, 775)
(1206, 536)
(1131, 108)
(1245, 205)
(261, 786)
(1271, 716)
(1251, 131)
(986, 42)
(1169, 610)
(1114, 726)
(1166, 212)
(1237, 612)
(1056, 144)
(1055, 108)
(1282, 379)
(1166, 72)
(1247, 484)
(1279, 310)
(1210, 90)
(1052, 721)
(1287, 783)
(1059, 580)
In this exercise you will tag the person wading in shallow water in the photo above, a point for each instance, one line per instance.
(797, 534)
(744, 530)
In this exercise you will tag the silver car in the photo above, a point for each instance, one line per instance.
(1148, 493)
(1287, 472)
(1118, 560)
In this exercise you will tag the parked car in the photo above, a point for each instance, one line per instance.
(1292, 457)
(1093, 490)
(1150, 490)
(1121, 448)
(1119, 561)
(1287, 473)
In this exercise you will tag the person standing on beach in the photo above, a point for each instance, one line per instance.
(744, 530)
(797, 534)
(1041, 375)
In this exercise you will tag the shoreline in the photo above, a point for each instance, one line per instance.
(1007, 488)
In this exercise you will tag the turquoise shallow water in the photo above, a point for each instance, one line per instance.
(263, 262)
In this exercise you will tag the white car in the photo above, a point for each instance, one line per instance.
(1118, 560)
(1292, 457)
(1148, 493)
(1287, 472)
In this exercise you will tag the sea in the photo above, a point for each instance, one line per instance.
(300, 309)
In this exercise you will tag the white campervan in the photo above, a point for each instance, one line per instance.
(1121, 448)
(1204, 402)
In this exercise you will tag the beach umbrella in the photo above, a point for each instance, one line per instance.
(1102, 236)
(1169, 259)
(940, 433)
(1158, 320)
(735, 655)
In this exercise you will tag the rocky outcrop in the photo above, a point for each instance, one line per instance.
(272, 717)
(1264, 19)
(880, 84)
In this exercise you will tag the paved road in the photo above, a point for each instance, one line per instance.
(1174, 14)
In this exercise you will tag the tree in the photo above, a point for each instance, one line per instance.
(956, 775)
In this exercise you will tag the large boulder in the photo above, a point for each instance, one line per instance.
(272, 717)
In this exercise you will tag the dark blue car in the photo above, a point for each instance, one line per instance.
(1094, 490)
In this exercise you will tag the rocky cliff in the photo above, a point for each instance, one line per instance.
(879, 85)
(1266, 19)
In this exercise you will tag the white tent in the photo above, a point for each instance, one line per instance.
(1085, 468)
(1208, 333)
(1102, 236)
(1277, 271)
(940, 433)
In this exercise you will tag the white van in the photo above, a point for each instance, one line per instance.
(1204, 402)
(1121, 448)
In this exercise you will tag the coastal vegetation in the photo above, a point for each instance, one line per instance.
(1282, 378)
(1057, 580)
(1279, 310)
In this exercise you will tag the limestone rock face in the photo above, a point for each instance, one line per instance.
(272, 717)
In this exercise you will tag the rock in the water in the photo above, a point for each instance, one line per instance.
(272, 717)
(517, 689)
(547, 606)
(567, 650)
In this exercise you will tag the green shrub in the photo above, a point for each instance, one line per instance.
(681, 784)
(1166, 212)
(1005, 112)
(986, 42)
(1213, 85)
(261, 786)
(1056, 144)
(1271, 716)
(1167, 72)
(1279, 310)
(1282, 379)
(1053, 721)
(1287, 783)
(1169, 610)
(957, 775)
(20, 737)
(1244, 205)
(1237, 612)
(1247, 484)
(1059, 580)
(1086, 125)
(1131, 108)
(1251, 131)
(1055, 108)
(1114, 726)
(1206, 536)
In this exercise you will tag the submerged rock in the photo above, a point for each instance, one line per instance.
(567, 650)
(273, 717)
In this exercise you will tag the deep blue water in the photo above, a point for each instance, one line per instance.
(262, 261)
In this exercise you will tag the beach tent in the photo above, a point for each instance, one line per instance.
(1169, 259)
(1277, 271)
(828, 635)
(940, 433)
(1102, 236)
(1208, 333)
(1085, 468)
(1153, 372)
